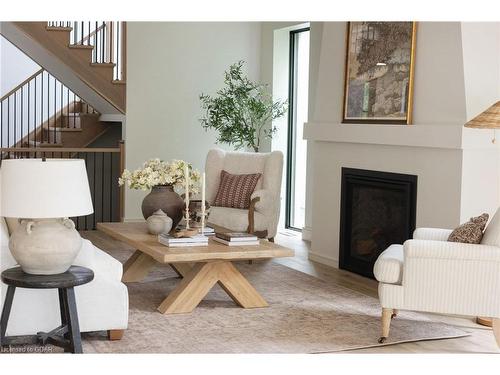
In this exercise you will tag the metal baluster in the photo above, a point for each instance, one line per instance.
(95, 42)
(87, 169)
(118, 45)
(82, 31)
(111, 187)
(15, 114)
(88, 39)
(95, 194)
(102, 186)
(111, 44)
(103, 47)
(34, 104)
(66, 125)
(29, 110)
(74, 104)
(55, 111)
(22, 115)
(48, 104)
(61, 111)
(8, 120)
(41, 109)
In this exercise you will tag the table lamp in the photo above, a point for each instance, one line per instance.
(44, 193)
(489, 119)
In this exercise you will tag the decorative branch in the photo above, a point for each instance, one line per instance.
(241, 110)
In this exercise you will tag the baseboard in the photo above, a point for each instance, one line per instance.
(327, 261)
(307, 234)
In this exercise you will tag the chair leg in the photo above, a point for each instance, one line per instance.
(386, 324)
(496, 330)
(115, 334)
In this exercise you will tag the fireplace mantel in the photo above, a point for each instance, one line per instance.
(434, 136)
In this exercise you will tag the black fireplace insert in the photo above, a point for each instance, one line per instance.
(377, 209)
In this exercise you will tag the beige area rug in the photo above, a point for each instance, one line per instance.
(306, 315)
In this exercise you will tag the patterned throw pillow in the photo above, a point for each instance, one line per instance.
(235, 190)
(471, 231)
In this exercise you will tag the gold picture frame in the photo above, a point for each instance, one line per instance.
(379, 72)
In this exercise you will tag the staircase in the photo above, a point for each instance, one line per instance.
(89, 57)
(56, 112)
(43, 112)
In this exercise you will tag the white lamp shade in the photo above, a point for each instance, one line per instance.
(37, 189)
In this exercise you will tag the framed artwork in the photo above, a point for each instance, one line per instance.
(379, 72)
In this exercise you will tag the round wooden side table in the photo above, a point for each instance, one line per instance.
(67, 335)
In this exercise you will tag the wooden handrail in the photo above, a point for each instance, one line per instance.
(27, 150)
(85, 38)
(22, 84)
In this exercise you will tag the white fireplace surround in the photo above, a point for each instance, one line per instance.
(457, 75)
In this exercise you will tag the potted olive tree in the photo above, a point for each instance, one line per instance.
(241, 111)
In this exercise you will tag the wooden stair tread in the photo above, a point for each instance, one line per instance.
(59, 28)
(63, 129)
(80, 114)
(80, 46)
(43, 144)
(103, 65)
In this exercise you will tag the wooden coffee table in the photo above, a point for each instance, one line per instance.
(200, 266)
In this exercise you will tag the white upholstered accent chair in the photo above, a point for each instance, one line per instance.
(263, 214)
(102, 304)
(430, 274)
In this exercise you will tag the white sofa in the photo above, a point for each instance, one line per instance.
(263, 215)
(102, 304)
(430, 274)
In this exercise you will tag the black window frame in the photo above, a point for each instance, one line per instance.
(292, 129)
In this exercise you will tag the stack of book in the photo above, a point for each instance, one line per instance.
(170, 241)
(207, 231)
(236, 239)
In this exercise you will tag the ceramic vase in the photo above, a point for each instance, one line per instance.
(45, 246)
(163, 197)
(159, 223)
(195, 213)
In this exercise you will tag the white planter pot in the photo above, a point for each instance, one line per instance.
(45, 246)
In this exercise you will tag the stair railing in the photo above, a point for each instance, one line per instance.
(32, 112)
(108, 39)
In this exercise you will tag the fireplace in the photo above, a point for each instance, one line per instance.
(377, 209)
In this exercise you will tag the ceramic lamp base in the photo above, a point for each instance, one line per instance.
(45, 246)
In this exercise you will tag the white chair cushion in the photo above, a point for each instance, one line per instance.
(4, 233)
(6, 259)
(491, 234)
(236, 219)
(389, 265)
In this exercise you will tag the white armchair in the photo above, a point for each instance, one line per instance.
(102, 304)
(263, 214)
(430, 274)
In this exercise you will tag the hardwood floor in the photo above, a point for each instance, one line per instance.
(481, 338)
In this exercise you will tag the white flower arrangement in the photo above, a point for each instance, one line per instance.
(155, 172)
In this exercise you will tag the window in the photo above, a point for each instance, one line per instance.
(297, 116)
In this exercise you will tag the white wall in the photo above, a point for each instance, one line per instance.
(452, 163)
(169, 65)
(15, 66)
(480, 158)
